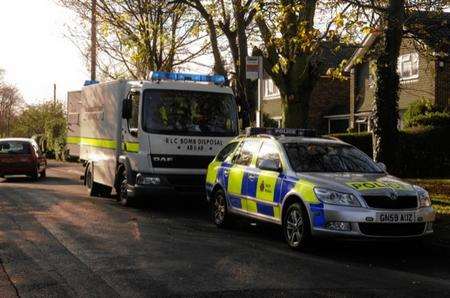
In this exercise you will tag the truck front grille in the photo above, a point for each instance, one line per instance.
(187, 182)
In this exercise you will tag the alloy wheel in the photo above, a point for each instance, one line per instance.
(294, 227)
(219, 209)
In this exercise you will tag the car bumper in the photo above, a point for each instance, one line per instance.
(16, 171)
(364, 223)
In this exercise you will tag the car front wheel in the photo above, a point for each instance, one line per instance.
(296, 226)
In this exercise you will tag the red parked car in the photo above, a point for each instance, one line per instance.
(21, 157)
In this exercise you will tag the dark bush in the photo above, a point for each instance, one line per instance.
(434, 119)
(422, 152)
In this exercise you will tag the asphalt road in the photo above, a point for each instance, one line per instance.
(56, 241)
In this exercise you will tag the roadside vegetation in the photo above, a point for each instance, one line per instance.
(45, 121)
(439, 190)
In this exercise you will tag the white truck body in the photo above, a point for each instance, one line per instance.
(73, 121)
(101, 128)
(107, 142)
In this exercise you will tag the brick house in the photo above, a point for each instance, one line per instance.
(330, 95)
(423, 74)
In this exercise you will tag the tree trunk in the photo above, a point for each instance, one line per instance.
(241, 84)
(385, 131)
(295, 109)
(219, 67)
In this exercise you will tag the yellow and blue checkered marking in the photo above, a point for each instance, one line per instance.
(261, 192)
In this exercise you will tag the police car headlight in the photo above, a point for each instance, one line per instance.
(423, 196)
(336, 198)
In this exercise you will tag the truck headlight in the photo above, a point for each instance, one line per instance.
(336, 198)
(423, 196)
(147, 180)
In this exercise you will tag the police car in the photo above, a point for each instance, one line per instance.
(313, 187)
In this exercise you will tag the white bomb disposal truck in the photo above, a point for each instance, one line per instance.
(73, 123)
(154, 137)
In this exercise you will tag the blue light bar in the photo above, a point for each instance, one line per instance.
(90, 82)
(178, 76)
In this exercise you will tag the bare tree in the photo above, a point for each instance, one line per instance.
(232, 18)
(135, 37)
(10, 104)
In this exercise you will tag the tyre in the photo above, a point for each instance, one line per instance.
(296, 227)
(92, 187)
(219, 210)
(122, 189)
(35, 175)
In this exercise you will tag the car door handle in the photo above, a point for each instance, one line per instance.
(251, 177)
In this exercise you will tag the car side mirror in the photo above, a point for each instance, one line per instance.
(127, 108)
(382, 166)
(134, 132)
(270, 165)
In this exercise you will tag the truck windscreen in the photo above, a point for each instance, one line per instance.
(189, 113)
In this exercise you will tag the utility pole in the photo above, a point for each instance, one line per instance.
(93, 40)
(54, 94)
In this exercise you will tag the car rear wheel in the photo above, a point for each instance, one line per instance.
(296, 226)
(219, 210)
(35, 175)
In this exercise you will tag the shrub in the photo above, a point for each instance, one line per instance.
(434, 119)
(269, 122)
(422, 152)
(417, 108)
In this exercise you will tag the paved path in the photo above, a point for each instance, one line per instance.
(56, 241)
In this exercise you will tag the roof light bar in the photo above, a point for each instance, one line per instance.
(90, 82)
(178, 76)
(291, 132)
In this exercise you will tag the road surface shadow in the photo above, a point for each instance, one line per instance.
(49, 180)
(406, 256)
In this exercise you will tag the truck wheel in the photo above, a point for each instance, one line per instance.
(219, 210)
(92, 187)
(122, 191)
(296, 227)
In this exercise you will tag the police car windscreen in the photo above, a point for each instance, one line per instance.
(189, 113)
(329, 158)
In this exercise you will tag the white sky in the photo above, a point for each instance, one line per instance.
(34, 52)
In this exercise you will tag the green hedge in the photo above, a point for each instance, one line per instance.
(435, 119)
(422, 152)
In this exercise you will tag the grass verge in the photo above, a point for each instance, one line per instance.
(439, 190)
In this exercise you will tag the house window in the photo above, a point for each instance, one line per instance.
(408, 66)
(270, 90)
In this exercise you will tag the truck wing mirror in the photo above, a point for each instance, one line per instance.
(127, 108)
(134, 132)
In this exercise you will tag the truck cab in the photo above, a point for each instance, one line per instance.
(171, 127)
